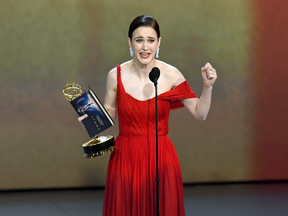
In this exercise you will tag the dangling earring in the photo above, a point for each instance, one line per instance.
(131, 52)
(157, 52)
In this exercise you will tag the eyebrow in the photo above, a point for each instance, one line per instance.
(150, 37)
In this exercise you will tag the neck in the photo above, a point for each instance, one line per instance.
(142, 70)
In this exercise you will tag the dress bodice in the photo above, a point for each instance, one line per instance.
(138, 118)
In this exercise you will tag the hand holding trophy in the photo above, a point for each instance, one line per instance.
(97, 121)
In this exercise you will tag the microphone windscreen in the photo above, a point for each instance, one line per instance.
(154, 74)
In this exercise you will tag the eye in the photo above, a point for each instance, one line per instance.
(151, 41)
(138, 40)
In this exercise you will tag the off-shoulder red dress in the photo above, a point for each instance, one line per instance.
(131, 177)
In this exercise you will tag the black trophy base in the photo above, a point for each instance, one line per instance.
(99, 145)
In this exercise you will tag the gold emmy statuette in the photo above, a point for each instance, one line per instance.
(98, 145)
(72, 91)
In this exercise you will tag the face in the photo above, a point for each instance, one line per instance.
(144, 44)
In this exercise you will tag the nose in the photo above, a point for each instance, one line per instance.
(145, 46)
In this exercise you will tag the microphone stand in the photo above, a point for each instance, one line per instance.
(157, 171)
(153, 76)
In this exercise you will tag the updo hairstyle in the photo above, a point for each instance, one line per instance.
(146, 21)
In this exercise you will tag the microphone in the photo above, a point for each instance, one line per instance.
(154, 75)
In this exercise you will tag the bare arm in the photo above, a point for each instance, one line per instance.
(111, 91)
(200, 107)
(110, 96)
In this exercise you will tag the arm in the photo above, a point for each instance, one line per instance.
(110, 96)
(111, 91)
(200, 107)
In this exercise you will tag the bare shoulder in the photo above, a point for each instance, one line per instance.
(112, 74)
(170, 74)
(125, 68)
(111, 81)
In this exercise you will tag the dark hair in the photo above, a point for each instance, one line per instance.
(143, 20)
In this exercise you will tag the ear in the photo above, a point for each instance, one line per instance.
(159, 41)
(129, 42)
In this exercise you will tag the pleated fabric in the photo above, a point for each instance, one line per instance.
(131, 177)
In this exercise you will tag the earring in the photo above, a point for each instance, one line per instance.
(131, 52)
(157, 52)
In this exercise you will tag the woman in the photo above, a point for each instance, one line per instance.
(131, 177)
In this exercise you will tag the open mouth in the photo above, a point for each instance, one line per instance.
(144, 55)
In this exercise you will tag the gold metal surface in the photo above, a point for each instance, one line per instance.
(72, 91)
(98, 140)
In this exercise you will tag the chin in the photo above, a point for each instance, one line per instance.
(145, 60)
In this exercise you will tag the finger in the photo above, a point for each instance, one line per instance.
(208, 75)
(81, 118)
(208, 65)
(204, 68)
(211, 73)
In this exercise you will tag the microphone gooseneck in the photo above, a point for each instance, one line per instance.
(154, 75)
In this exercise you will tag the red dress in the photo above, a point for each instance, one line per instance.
(131, 176)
